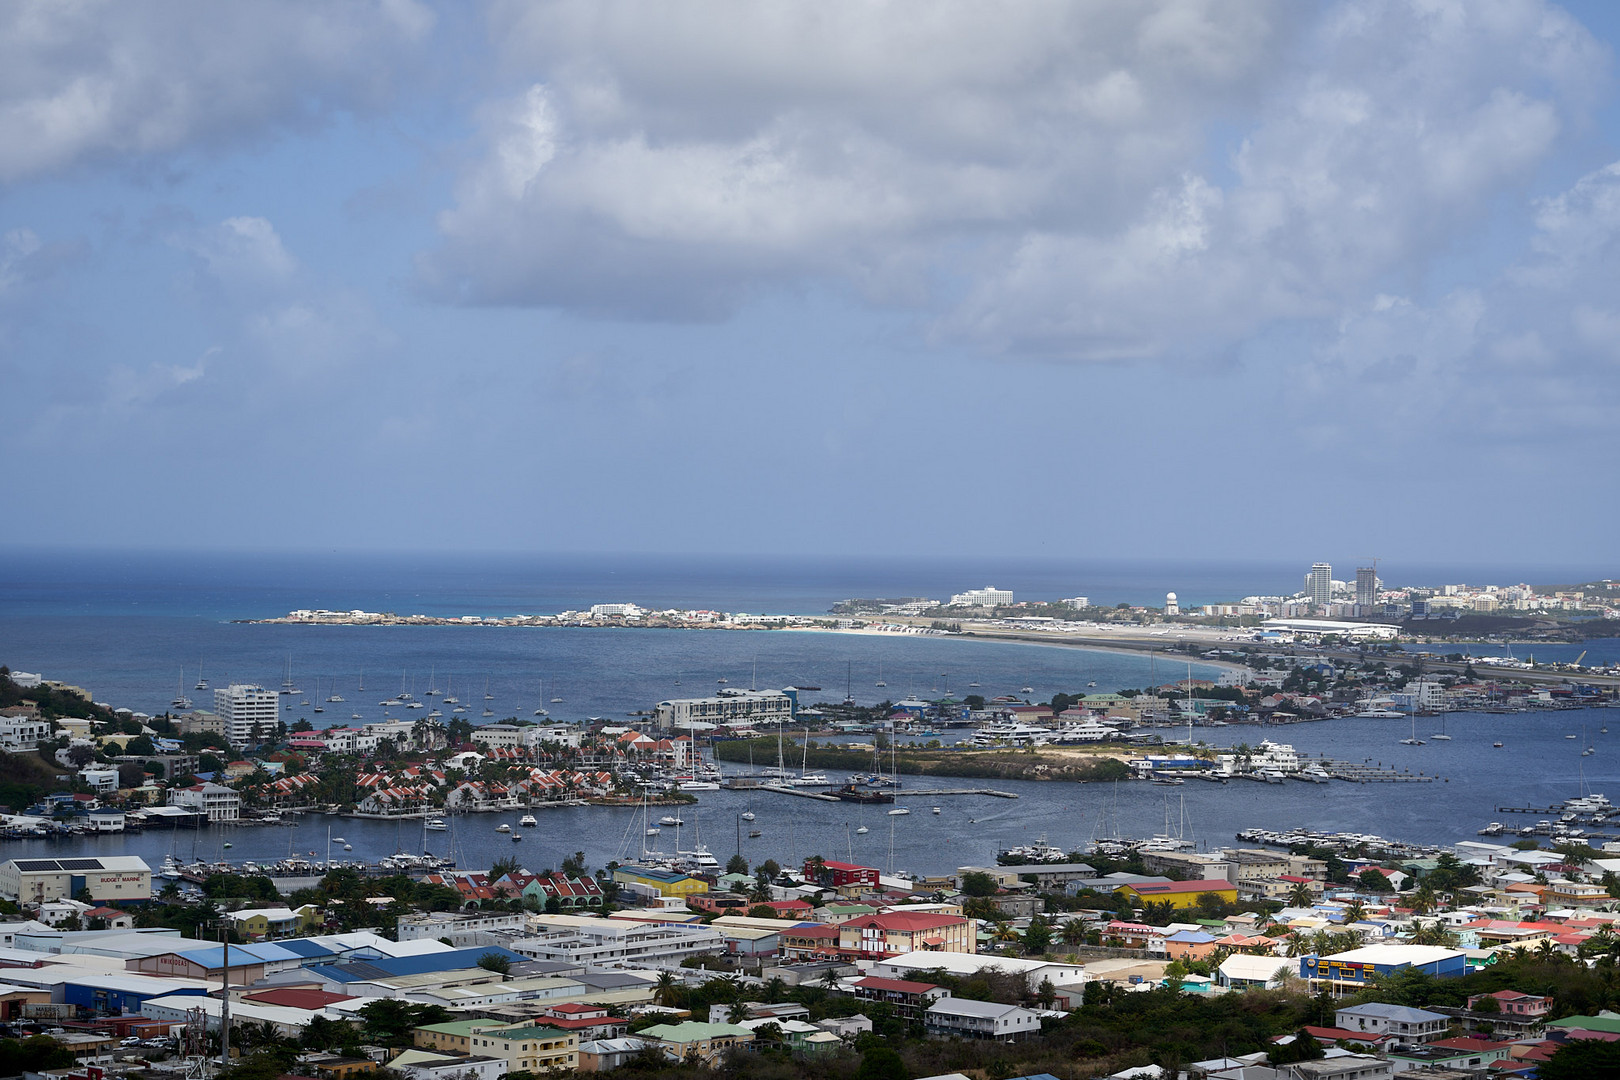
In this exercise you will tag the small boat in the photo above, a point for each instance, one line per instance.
(1569, 736)
(721, 679)
(653, 831)
(753, 834)
(503, 827)
(516, 837)
(227, 845)
(1497, 745)
(346, 847)
(489, 712)
(1411, 742)
(862, 831)
(527, 821)
(748, 815)
(936, 809)
(670, 819)
(436, 825)
(1027, 690)
(1089, 684)
(899, 811)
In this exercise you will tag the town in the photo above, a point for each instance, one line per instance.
(1348, 955)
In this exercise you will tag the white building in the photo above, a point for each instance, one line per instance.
(980, 1020)
(989, 596)
(20, 734)
(464, 930)
(107, 877)
(221, 804)
(1319, 584)
(506, 736)
(729, 708)
(101, 781)
(248, 714)
(616, 943)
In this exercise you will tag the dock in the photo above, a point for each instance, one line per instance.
(803, 793)
(920, 792)
(1357, 772)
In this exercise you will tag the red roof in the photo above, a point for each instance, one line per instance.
(294, 998)
(1160, 888)
(1334, 1034)
(911, 921)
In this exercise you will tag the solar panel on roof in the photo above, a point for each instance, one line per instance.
(35, 865)
(79, 864)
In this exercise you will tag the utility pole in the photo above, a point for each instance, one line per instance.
(225, 1004)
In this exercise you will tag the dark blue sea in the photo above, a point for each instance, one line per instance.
(134, 628)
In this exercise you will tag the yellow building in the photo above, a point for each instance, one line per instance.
(1181, 894)
(705, 1042)
(454, 1037)
(534, 1049)
(667, 882)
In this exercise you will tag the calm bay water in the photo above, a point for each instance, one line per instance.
(126, 627)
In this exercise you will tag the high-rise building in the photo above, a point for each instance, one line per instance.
(989, 596)
(1321, 584)
(247, 713)
(1366, 588)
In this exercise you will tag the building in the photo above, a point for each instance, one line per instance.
(1180, 894)
(585, 940)
(22, 733)
(704, 1043)
(663, 882)
(463, 929)
(429, 1065)
(837, 875)
(729, 708)
(1171, 607)
(1366, 589)
(908, 999)
(966, 1019)
(1348, 972)
(1399, 1022)
(528, 1049)
(1319, 584)
(106, 878)
(890, 933)
(220, 804)
(247, 714)
(989, 596)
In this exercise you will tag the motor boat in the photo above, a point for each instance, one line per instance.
(436, 825)
(503, 827)
(899, 811)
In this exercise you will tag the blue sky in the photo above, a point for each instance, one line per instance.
(1145, 279)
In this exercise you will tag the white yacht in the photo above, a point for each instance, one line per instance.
(503, 827)
(899, 811)
(527, 821)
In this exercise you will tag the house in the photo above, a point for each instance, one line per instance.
(1407, 1025)
(431, 1065)
(219, 804)
(1514, 1003)
(664, 882)
(704, 1043)
(966, 1019)
(602, 1055)
(838, 875)
(528, 1049)
(908, 999)
(274, 922)
(890, 932)
(1245, 972)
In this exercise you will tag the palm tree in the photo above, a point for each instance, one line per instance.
(1299, 895)
(1355, 911)
(665, 989)
(1073, 932)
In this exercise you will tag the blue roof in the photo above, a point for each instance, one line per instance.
(1392, 1012)
(1191, 937)
(261, 953)
(306, 948)
(363, 970)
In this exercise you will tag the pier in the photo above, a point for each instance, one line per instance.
(1358, 772)
(920, 792)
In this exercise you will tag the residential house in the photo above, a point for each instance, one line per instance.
(966, 1019)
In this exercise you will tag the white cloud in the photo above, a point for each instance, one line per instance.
(87, 80)
(1106, 181)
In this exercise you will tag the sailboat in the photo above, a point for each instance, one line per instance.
(318, 706)
(433, 684)
(202, 683)
(1414, 740)
(449, 698)
(880, 681)
(541, 711)
(335, 695)
(180, 700)
(1441, 736)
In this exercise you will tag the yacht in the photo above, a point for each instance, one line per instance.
(748, 815)
(670, 819)
(436, 825)
(899, 811)
(936, 809)
(653, 830)
(503, 827)
(1026, 690)
(862, 831)
(527, 821)
(698, 785)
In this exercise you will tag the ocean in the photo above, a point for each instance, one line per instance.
(134, 628)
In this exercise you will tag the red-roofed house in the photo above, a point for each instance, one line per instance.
(890, 933)
(589, 1021)
(1515, 1003)
(839, 874)
(909, 999)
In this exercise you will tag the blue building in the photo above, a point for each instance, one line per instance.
(1348, 972)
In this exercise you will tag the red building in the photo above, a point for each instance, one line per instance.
(838, 874)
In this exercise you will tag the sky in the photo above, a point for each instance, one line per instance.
(1145, 278)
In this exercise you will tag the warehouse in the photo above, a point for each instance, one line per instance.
(111, 878)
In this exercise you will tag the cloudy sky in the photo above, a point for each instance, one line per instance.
(1134, 278)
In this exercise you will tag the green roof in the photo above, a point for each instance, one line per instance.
(531, 1032)
(459, 1027)
(1609, 1024)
